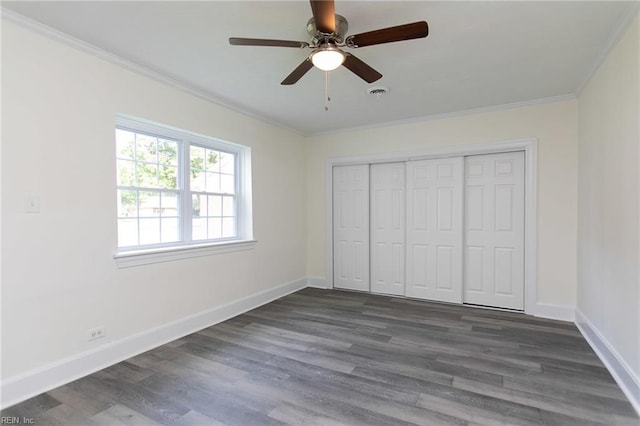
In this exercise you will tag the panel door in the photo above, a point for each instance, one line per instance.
(351, 227)
(494, 230)
(387, 227)
(434, 229)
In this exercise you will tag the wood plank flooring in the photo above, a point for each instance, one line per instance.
(322, 357)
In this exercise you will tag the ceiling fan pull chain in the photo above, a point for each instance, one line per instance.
(327, 98)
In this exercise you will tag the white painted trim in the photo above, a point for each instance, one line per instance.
(615, 37)
(531, 227)
(19, 388)
(619, 369)
(145, 71)
(452, 114)
(156, 75)
(529, 146)
(245, 197)
(328, 223)
(166, 254)
(318, 282)
(555, 312)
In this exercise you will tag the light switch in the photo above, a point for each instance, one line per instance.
(32, 203)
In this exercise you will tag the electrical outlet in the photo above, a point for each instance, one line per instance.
(96, 333)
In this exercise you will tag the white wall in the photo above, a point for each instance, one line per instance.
(58, 275)
(553, 124)
(608, 208)
(59, 278)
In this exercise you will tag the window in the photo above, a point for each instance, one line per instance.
(178, 189)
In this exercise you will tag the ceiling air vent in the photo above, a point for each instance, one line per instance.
(378, 91)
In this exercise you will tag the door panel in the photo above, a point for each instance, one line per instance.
(434, 229)
(351, 227)
(494, 230)
(388, 228)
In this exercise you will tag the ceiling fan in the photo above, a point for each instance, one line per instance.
(328, 31)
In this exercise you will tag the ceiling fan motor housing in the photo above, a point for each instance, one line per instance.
(342, 26)
(328, 34)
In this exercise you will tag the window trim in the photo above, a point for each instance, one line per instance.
(163, 252)
(167, 254)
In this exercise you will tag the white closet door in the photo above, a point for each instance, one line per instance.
(434, 229)
(494, 230)
(387, 228)
(351, 227)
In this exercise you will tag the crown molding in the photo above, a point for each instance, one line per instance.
(452, 114)
(629, 16)
(148, 72)
(161, 77)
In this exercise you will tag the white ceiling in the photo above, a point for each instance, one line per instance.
(477, 55)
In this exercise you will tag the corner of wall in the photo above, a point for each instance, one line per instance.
(619, 369)
(555, 312)
(607, 243)
(318, 282)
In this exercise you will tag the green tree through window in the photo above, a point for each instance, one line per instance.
(156, 206)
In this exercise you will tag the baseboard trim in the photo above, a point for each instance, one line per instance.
(24, 386)
(621, 372)
(318, 282)
(556, 312)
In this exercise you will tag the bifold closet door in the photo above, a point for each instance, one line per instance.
(494, 230)
(434, 229)
(387, 228)
(351, 227)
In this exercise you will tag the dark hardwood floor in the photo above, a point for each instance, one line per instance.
(319, 357)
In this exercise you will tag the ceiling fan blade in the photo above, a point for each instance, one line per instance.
(389, 35)
(361, 69)
(298, 72)
(239, 41)
(324, 15)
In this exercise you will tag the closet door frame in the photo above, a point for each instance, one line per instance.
(529, 146)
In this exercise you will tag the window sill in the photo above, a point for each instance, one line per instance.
(145, 257)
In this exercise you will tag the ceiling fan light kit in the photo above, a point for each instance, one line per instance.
(327, 57)
(328, 31)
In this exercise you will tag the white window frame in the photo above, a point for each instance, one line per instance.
(186, 248)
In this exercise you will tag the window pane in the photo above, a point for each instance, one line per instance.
(227, 163)
(149, 204)
(124, 144)
(198, 208)
(152, 175)
(197, 168)
(227, 185)
(149, 231)
(126, 172)
(128, 204)
(169, 230)
(127, 232)
(168, 152)
(169, 204)
(214, 206)
(146, 148)
(197, 155)
(168, 177)
(197, 181)
(228, 206)
(213, 163)
(215, 227)
(228, 227)
(213, 182)
(147, 175)
(199, 229)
